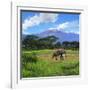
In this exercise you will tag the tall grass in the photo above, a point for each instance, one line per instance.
(39, 66)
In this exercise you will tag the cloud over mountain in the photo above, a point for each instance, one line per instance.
(68, 27)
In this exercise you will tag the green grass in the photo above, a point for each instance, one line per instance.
(39, 63)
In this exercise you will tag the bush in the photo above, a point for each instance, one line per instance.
(70, 65)
(71, 68)
(32, 58)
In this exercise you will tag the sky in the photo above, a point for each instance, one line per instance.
(37, 22)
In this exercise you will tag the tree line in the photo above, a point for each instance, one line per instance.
(32, 42)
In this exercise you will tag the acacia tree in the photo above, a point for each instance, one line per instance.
(34, 42)
(66, 44)
(30, 42)
(47, 42)
(71, 45)
(75, 45)
(58, 45)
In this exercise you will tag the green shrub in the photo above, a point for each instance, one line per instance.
(32, 58)
(70, 65)
(71, 68)
(25, 73)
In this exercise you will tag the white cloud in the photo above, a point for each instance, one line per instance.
(68, 24)
(60, 26)
(53, 28)
(48, 17)
(38, 19)
(63, 25)
(68, 27)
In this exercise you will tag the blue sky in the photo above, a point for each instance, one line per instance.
(36, 22)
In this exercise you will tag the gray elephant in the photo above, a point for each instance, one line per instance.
(59, 53)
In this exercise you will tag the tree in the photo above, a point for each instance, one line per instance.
(75, 45)
(71, 45)
(66, 44)
(57, 45)
(33, 42)
(47, 42)
(30, 42)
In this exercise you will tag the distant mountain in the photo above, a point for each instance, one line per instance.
(62, 36)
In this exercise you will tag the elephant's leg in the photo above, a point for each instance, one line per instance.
(64, 56)
(56, 58)
(61, 57)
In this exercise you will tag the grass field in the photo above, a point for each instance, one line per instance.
(39, 63)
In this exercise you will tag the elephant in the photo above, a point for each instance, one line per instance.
(59, 53)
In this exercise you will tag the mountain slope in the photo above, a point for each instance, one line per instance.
(62, 36)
